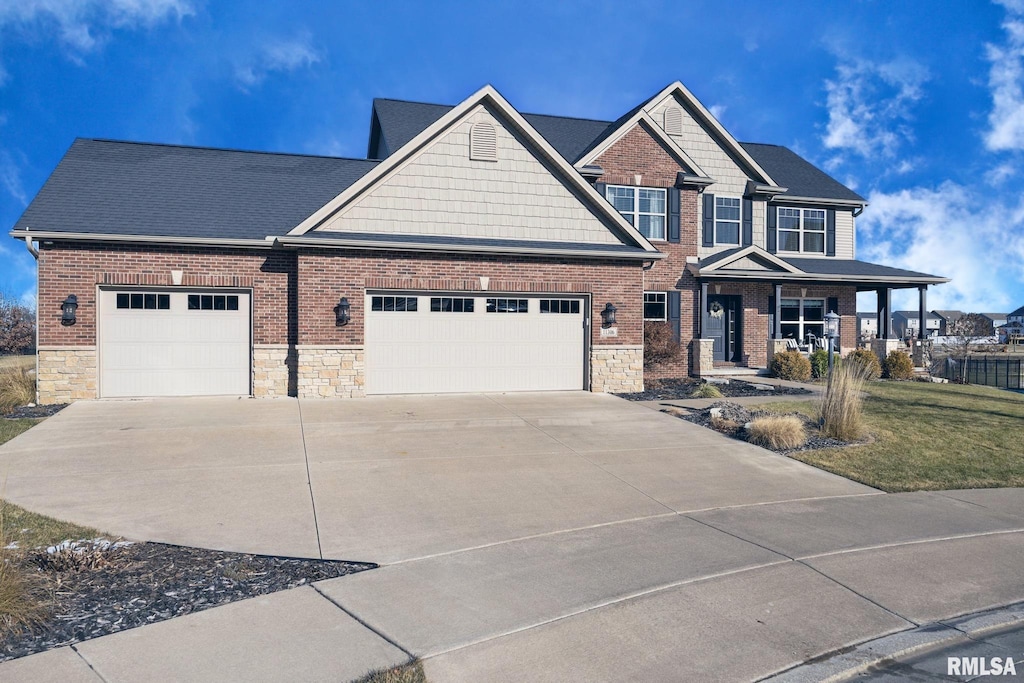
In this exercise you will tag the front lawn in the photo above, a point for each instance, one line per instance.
(931, 437)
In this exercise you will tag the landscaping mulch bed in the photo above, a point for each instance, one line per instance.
(675, 389)
(98, 588)
(741, 415)
(35, 411)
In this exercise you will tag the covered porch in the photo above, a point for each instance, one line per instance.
(754, 304)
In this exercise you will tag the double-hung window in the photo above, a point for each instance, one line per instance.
(643, 207)
(727, 220)
(801, 317)
(655, 306)
(802, 230)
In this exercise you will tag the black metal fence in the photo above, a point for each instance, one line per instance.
(1006, 373)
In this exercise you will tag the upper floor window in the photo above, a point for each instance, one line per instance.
(727, 220)
(655, 306)
(643, 207)
(802, 230)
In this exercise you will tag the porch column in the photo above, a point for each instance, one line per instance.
(922, 311)
(777, 332)
(884, 312)
(703, 309)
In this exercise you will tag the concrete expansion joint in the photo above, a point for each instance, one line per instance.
(88, 663)
(362, 622)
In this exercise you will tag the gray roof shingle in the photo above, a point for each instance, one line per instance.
(129, 188)
(443, 240)
(850, 267)
(801, 177)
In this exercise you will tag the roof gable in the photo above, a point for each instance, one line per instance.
(746, 259)
(642, 120)
(797, 175)
(430, 186)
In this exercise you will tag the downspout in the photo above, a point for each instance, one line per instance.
(31, 247)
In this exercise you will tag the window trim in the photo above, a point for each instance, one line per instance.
(739, 220)
(663, 302)
(636, 212)
(801, 230)
(800, 322)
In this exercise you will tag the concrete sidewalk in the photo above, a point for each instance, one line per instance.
(523, 537)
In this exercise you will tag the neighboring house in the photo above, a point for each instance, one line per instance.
(906, 324)
(1013, 329)
(995, 321)
(946, 319)
(867, 326)
(476, 249)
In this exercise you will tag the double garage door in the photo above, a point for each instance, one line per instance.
(174, 343)
(420, 343)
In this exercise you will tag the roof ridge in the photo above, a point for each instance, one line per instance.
(227, 149)
(523, 113)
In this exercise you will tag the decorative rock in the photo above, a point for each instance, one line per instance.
(716, 380)
(763, 387)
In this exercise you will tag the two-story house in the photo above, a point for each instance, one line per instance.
(907, 324)
(476, 248)
(1012, 331)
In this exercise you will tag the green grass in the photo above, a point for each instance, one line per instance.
(930, 437)
(12, 428)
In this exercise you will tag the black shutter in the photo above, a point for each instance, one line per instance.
(748, 222)
(600, 189)
(771, 316)
(709, 221)
(773, 233)
(830, 233)
(833, 307)
(673, 313)
(673, 214)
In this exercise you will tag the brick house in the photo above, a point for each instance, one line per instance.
(475, 249)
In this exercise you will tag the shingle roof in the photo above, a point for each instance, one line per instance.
(792, 171)
(442, 240)
(129, 188)
(914, 314)
(1019, 311)
(401, 121)
(850, 267)
(950, 316)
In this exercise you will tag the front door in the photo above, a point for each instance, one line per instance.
(725, 326)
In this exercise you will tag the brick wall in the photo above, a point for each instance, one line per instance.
(324, 276)
(74, 268)
(639, 153)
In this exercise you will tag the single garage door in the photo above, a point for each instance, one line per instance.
(173, 343)
(420, 343)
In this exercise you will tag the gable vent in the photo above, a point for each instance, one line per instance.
(483, 142)
(673, 121)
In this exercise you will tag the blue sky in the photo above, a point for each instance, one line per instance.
(919, 106)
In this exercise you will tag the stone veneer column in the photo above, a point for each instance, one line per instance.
(616, 369)
(702, 357)
(882, 347)
(776, 346)
(269, 370)
(65, 373)
(331, 372)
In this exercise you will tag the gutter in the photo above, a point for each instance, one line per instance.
(138, 239)
(377, 245)
(849, 203)
(28, 244)
(829, 277)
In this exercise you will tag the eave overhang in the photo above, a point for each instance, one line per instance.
(56, 235)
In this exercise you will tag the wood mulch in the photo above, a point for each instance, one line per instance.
(34, 411)
(677, 389)
(96, 588)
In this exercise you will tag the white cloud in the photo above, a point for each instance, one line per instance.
(869, 106)
(83, 25)
(951, 231)
(1000, 174)
(10, 178)
(277, 55)
(717, 110)
(1005, 80)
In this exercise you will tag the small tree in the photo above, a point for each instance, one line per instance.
(17, 326)
(660, 345)
(961, 336)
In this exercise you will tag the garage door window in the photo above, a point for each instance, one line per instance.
(212, 302)
(447, 304)
(507, 305)
(394, 303)
(144, 301)
(559, 306)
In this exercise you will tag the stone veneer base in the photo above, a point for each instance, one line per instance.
(702, 357)
(65, 374)
(617, 369)
(270, 370)
(331, 372)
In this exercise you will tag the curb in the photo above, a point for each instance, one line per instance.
(845, 663)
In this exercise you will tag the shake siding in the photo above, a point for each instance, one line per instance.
(440, 191)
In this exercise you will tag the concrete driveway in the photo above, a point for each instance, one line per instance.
(525, 537)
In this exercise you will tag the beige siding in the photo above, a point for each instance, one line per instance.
(440, 191)
(759, 224)
(846, 235)
(747, 263)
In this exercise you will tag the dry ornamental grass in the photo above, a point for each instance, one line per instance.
(841, 410)
(17, 387)
(777, 432)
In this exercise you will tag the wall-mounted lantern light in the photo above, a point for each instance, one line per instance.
(68, 309)
(341, 312)
(608, 315)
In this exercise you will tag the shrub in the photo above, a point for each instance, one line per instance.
(791, 365)
(660, 344)
(778, 432)
(898, 365)
(841, 405)
(819, 363)
(17, 387)
(866, 361)
(706, 390)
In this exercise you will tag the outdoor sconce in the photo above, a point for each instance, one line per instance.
(608, 315)
(341, 312)
(68, 309)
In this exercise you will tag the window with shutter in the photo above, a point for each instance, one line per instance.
(483, 142)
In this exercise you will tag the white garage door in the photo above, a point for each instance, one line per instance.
(431, 343)
(173, 343)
